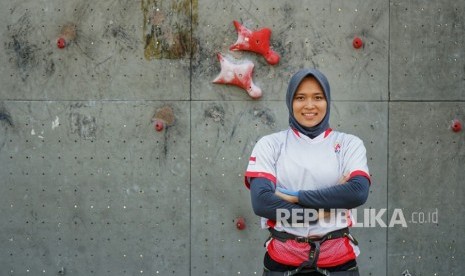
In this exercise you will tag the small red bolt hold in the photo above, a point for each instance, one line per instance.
(159, 125)
(456, 126)
(163, 118)
(357, 42)
(61, 43)
(240, 223)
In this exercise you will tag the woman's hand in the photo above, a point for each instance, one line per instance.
(287, 195)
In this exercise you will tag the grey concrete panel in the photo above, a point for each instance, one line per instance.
(91, 188)
(223, 136)
(317, 35)
(426, 52)
(107, 60)
(426, 177)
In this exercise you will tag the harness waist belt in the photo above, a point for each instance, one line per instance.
(284, 236)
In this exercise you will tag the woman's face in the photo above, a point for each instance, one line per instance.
(309, 103)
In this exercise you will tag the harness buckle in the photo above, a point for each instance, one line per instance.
(303, 239)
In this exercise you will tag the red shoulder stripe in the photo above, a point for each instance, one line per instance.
(268, 176)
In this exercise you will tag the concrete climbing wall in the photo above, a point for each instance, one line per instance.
(88, 187)
(426, 159)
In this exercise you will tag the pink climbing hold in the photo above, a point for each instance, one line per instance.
(163, 118)
(61, 43)
(357, 42)
(240, 223)
(456, 125)
(238, 74)
(159, 125)
(255, 41)
(67, 34)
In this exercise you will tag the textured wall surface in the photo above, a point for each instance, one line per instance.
(426, 165)
(88, 187)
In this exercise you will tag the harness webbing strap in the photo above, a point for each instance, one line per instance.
(284, 236)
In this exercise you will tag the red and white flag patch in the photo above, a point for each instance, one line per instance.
(252, 160)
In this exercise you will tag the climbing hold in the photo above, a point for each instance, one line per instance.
(163, 118)
(159, 125)
(255, 41)
(239, 74)
(456, 125)
(240, 223)
(357, 42)
(61, 43)
(67, 34)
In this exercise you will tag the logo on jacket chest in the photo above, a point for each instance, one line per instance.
(337, 147)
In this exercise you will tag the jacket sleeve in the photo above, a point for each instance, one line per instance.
(265, 203)
(347, 196)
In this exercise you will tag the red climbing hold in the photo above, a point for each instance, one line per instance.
(163, 118)
(255, 41)
(240, 223)
(239, 74)
(159, 125)
(67, 34)
(456, 125)
(357, 42)
(61, 43)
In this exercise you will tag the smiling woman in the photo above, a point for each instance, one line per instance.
(309, 103)
(300, 170)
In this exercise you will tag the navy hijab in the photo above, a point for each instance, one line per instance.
(294, 83)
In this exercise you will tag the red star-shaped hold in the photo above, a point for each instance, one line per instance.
(239, 74)
(255, 41)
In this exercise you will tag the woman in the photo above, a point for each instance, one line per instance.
(308, 167)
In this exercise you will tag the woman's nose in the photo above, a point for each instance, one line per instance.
(309, 104)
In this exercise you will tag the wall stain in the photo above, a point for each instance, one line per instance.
(216, 113)
(123, 37)
(167, 28)
(237, 121)
(49, 67)
(6, 117)
(265, 116)
(203, 64)
(23, 54)
(83, 125)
